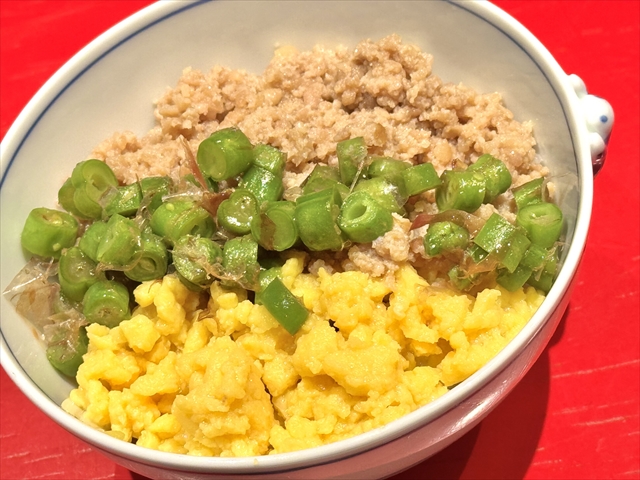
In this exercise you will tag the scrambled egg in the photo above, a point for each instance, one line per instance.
(221, 377)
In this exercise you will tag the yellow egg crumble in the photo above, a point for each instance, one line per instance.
(221, 377)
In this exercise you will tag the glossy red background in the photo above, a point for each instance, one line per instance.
(576, 414)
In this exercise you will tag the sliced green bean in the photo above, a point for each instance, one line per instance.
(502, 238)
(65, 198)
(444, 237)
(125, 201)
(511, 254)
(542, 222)
(93, 180)
(76, 273)
(284, 306)
(236, 213)
(194, 258)
(543, 278)
(153, 189)
(460, 190)
(265, 185)
(363, 219)
(264, 279)
(316, 216)
(240, 261)
(121, 243)
(152, 262)
(269, 158)
(323, 177)
(536, 257)
(275, 228)
(351, 156)
(385, 167)
(176, 218)
(512, 281)
(46, 232)
(534, 260)
(91, 238)
(225, 154)
(389, 195)
(528, 193)
(420, 178)
(106, 302)
(495, 173)
(66, 357)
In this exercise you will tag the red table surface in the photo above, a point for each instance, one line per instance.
(576, 413)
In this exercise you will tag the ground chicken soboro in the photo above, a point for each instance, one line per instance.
(224, 378)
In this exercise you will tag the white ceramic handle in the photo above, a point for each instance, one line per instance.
(598, 116)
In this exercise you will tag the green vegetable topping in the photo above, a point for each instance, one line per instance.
(125, 201)
(152, 262)
(106, 302)
(120, 244)
(390, 195)
(351, 156)
(528, 193)
(91, 238)
(385, 167)
(500, 237)
(284, 306)
(177, 218)
(362, 219)
(542, 221)
(240, 261)
(460, 190)
(46, 232)
(236, 212)
(269, 158)
(276, 228)
(420, 178)
(92, 180)
(194, 258)
(76, 273)
(496, 176)
(316, 216)
(265, 185)
(225, 154)
(153, 189)
(445, 236)
(66, 357)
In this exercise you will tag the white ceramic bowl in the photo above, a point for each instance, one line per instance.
(110, 85)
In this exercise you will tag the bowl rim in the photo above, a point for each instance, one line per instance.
(155, 13)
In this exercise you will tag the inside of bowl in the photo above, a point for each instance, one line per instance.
(112, 85)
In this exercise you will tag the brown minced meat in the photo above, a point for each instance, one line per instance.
(306, 102)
